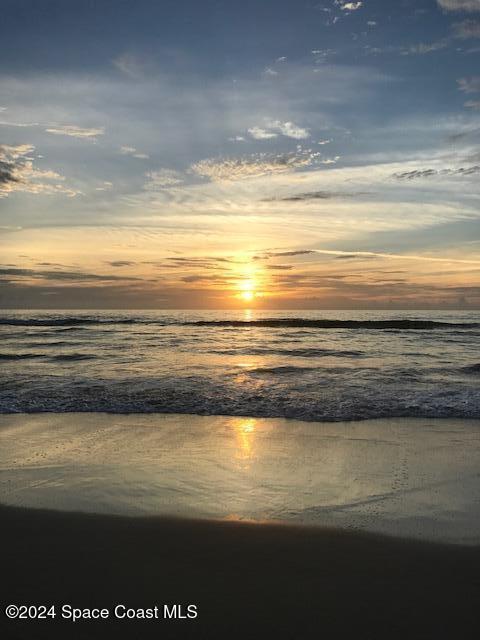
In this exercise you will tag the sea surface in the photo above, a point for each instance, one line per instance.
(314, 366)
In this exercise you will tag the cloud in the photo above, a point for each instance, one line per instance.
(7, 173)
(285, 254)
(364, 254)
(261, 134)
(290, 130)
(106, 186)
(17, 174)
(130, 65)
(163, 179)
(428, 173)
(270, 72)
(460, 5)
(322, 55)
(59, 275)
(354, 256)
(121, 263)
(10, 153)
(316, 195)
(425, 47)
(349, 6)
(274, 128)
(466, 30)
(4, 123)
(469, 85)
(132, 151)
(76, 132)
(257, 165)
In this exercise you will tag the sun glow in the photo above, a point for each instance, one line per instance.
(248, 296)
(248, 288)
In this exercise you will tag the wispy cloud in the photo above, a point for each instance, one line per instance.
(349, 6)
(74, 276)
(460, 5)
(132, 151)
(423, 48)
(18, 174)
(129, 64)
(366, 254)
(316, 195)
(469, 85)
(428, 173)
(76, 132)
(289, 129)
(274, 128)
(254, 166)
(163, 179)
(258, 133)
(466, 30)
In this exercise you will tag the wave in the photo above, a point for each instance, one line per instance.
(285, 370)
(337, 324)
(292, 353)
(70, 323)
(63, 322)
(473, 368)
(54, 344)
(321, 401)
(20, 356)
(61, 357)
(73, 357)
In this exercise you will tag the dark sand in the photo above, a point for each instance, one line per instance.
(248, 580)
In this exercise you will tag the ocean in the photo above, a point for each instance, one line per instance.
(312, 366)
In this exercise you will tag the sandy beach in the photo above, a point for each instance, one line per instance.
(248, 581)
(268, 527)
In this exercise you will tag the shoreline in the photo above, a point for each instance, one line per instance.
(247, 580)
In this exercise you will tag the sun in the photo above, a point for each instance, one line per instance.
(248, 296)
(247, 289)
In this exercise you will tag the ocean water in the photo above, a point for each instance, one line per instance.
(321, 365)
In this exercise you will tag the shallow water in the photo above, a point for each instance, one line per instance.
(414, 478)
(335, 365)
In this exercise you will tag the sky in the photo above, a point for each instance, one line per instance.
(283, 154)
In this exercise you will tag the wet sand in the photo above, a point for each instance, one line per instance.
(403, 477)
(248, 580)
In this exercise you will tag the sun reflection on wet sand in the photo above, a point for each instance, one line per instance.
(245, 437)
(376, 475)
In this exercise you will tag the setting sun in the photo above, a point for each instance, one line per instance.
(248, 296)
(247, 288)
